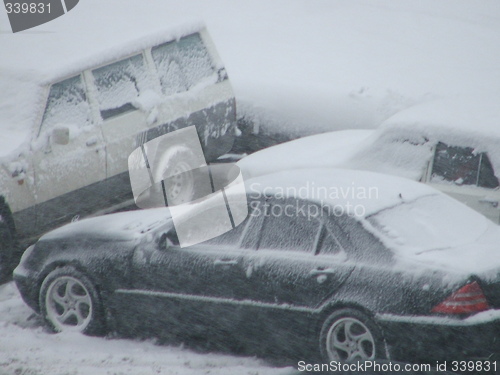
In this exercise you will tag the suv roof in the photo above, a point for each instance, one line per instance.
(53, 56)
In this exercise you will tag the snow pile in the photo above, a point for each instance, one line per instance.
(27, 348)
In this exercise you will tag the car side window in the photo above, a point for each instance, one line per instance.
(119, 84)
(329, 245)
(182, 64)
(286, 227)
(67, 105)
(232, 237)
(462, 166)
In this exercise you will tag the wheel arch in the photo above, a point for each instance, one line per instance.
(334, 306)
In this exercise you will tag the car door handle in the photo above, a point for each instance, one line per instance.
(322, 271)
(225, 262)
(493, 202)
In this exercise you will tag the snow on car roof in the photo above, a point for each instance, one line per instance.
(50, 56)
(478, 116)
(359, 193)
(325, 150)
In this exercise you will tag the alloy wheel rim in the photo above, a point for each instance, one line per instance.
(349, 339)
(68, 304)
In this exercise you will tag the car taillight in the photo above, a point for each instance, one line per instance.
(468, 299)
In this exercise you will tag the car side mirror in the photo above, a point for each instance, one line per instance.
(60, 135)
(169, 239)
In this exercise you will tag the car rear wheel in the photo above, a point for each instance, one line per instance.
(350, 335)
(69, 302)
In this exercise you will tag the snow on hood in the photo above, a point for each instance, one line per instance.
(322, 150)
(120, 226)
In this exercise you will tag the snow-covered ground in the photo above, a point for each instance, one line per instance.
(26, 348)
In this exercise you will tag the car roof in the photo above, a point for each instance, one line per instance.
(40, 58)
(477, 117)
(356, 192)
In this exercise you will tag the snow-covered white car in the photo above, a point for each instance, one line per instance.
(70, 119)
(452, 145)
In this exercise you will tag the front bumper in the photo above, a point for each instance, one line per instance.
(433, 338)
(27, 285)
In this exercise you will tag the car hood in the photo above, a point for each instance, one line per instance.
(123, 226)
(321, 150)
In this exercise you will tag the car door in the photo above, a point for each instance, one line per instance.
(202, 284)
(467, 176)
(124, 89)
(68, 157)
(287, 272)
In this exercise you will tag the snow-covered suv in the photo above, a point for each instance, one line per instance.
(67, 129)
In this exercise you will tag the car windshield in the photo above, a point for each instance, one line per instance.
(429, 222)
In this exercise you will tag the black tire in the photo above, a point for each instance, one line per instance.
(70, 302)
(182, 186)
(350, 335)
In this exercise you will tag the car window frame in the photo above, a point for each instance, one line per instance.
(430, 168)
(152, 77)
(269, 204)
(43, 106)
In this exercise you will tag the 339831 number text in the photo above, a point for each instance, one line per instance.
(24, 8)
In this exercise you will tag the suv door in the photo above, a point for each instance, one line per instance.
(467, 176)
(68, 157)
(121, 88)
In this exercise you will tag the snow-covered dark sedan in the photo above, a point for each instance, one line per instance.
(355, 265)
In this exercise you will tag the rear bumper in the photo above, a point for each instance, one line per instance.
(442, 338)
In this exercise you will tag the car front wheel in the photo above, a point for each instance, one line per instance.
(69, 302)
(350, 335)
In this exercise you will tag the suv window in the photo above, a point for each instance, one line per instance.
(182, 64)
(119, 84)
(285, 228)
(462, 166)
(67, 104)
